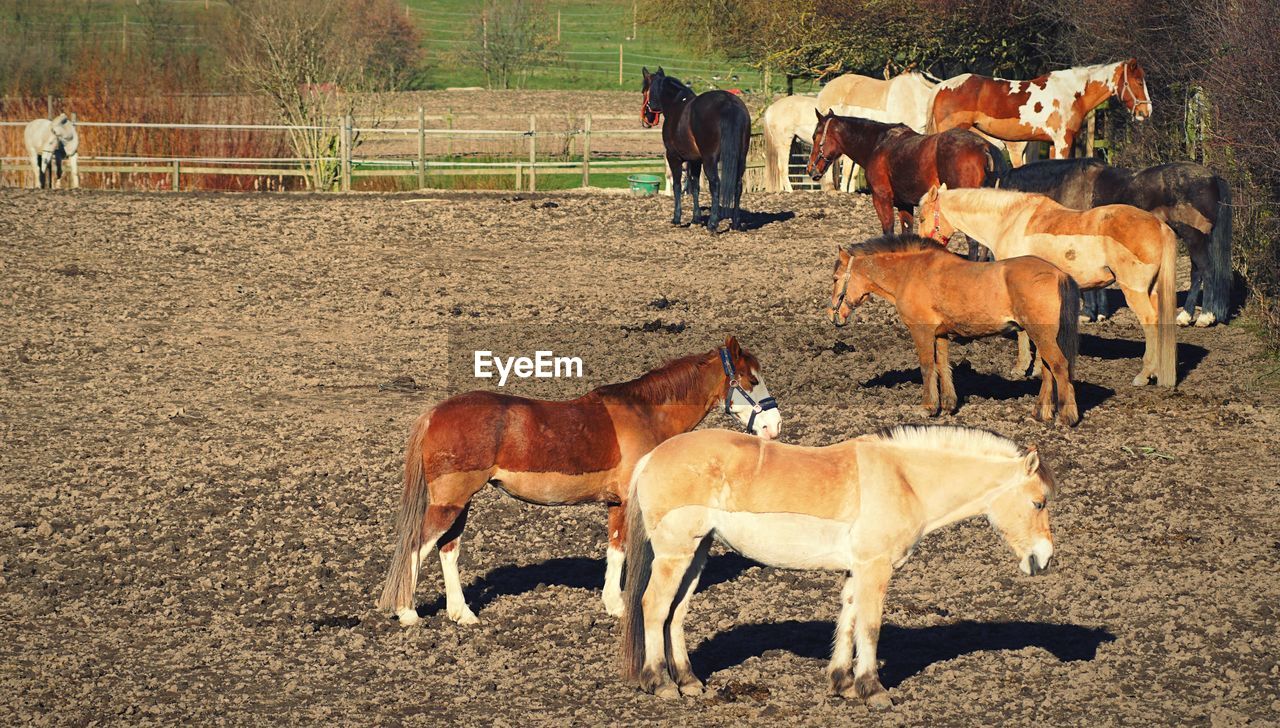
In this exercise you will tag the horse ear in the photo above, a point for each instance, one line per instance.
(731, 344)
(942, 187)
(645, 71)
(818, 113)
(661, 72)
(1031, 461)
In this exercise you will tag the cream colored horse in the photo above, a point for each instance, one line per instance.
(903, 99)
(859, 506)
(1109, 244)
(785, 119)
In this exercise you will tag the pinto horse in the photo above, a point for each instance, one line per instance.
(858, 507)
(940, 295)
(1188, 197)
(1049, 108)
(902, 165)
(554, 453)
(710, 131)
(1112, 244)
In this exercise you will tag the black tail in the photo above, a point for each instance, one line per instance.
(639, 560)
(1218, 278)
(1069, 322)
(735, 138)
(997, 167)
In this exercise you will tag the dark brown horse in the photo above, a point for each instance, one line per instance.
(901, 165)
(710, 131)
(555, 453)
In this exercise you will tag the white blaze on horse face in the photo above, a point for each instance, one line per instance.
(768, 423)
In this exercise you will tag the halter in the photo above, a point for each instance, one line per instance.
(817, 147)
(844, 285)
(646, 109)
(1124, 86)
(937, 225)
(764, 405)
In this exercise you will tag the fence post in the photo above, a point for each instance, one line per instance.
(124, 33)
(533, 153)
(176, 171)
(448, 138)
(422, 145)
(619, 64)
(586, 151)
(519, 181)
(48, 105)
(1088, 135)
(344, 142)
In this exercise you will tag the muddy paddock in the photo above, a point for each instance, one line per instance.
(205, 401)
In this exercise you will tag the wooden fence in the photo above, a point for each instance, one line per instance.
(352, 137)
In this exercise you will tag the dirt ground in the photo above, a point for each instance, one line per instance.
(204, 405)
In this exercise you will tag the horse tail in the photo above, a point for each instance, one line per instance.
(1166, 303)
(735, 136)
(1069, 322)
(397, 592)
(1218, 278)
(639, 561)
(772, 172)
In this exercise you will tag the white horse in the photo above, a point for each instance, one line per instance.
(48, 144)
(904, 99)
(785, 119)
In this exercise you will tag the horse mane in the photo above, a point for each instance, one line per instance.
(678, 380)
(908, 243)
(678, 83)
(970, 440)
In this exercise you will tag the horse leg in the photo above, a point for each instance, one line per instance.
(840, 670)
(450, 550)
(943, 365)
(884, 209)
(871, 582)
(712, 169)
(1019, 369)
(1055, 365)
(695, 186)
(1144, 308)
(73, 163)
(926, 349)
(438, 523)
(1188, 312)
(613, 560)
(1017, 153)
(908, 221)
(1044, 400)
(668, 571)
(681, 668)
(676, 165)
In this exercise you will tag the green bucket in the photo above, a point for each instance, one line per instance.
(644, 184)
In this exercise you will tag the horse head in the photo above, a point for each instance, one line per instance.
(1130, 83)
(826, 146)
(651, 111)
(1019, 510)
(745, 395)
(930, 211)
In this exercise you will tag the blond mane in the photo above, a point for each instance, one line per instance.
(965, 440)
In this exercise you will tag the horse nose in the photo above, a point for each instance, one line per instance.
(835, 317)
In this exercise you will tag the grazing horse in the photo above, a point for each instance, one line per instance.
(710, 131)
(554, 453)
(859, 507)
(940, 295)
(1111, 244)
(786, 119)
(902, 165)
(1049, 108)
(48, 144)
(1188, 197)
(903, 99)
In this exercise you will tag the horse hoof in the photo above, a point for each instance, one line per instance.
(1141, 380)
(667, 691)
(1101, 317)
(1205, 319)
(1184, 318)
(465, 617)
(880, 701)
(613, 605)
(1083, 319)
(691, 690)
(408, 617)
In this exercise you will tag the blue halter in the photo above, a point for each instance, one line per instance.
(764, 405)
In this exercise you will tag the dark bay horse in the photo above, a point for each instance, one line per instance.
(940, 295)
(555, 453)
(901, 165)
(1049, 108)
(710, 131)
(1188, 197)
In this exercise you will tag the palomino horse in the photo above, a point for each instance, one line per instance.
(903, 99)
(1111, 244)
(554, 453)
(786, 119)
(940, 295)
(1049, 108)
(48, 144)
(710, 131)
(1189, 198)
(859, 506)
(902, 165)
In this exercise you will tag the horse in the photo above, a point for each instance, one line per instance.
(711, 130)
(903, 99)
(1188, 197)
(1110, 244)
(859, 506)
(1049, 108)
(784, 120)
(940, 295)
(48, 144)
(901, 164)
(555, 453)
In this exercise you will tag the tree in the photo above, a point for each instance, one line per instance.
(510, 36)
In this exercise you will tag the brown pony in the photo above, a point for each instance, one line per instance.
(940, 295)
(554, 453)
(902, 165)
(1049, 108)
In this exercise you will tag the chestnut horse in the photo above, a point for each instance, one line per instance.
(710, 131)
(1049, 108)
(902, 165)
(903, 99)
(1110, 244)
(940, 295)
(859, 507)
(554, 453)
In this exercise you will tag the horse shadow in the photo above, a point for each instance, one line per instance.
(905, 651)
(1189, 355)
(970, 382)
(575, 572)
(747, 220)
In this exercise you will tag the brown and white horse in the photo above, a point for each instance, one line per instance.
(1049, 108)
(1109, 244)
(554, 453)
(859, 507)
